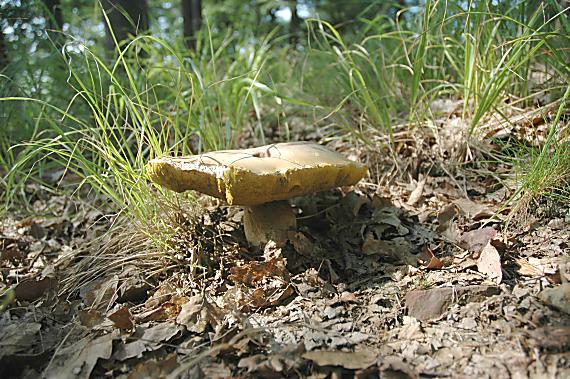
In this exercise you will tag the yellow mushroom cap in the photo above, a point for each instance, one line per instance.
(258, 175)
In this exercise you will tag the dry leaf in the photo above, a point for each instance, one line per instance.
(17, 337)
(447, 225)
(489, 263)
(255, 273)
(283, 362)
(79, 359)
(31, 290)
(558, 297)
(416, 194)
(146, 339)
(472, 210)
(475, 240)
(350, 360)
(429, 260)
(198, 313)
(90, 318)
(154, 369)
(122, 319)
(100, 294)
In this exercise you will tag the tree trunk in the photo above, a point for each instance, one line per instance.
(3, 52)
(126, 17)
(295, 23)
(55, 19)
(192, 14)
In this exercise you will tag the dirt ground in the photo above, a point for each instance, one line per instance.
(418, 271)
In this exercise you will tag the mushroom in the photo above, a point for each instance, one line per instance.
(261, 179)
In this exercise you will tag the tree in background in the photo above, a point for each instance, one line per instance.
(295, 23)
(192, 15)
(126, 17)
(55, 16)
(3, 52)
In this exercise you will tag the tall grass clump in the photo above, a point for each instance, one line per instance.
(545, 171)
(477, 51)
(152, 99)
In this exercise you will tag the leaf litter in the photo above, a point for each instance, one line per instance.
(411, 274)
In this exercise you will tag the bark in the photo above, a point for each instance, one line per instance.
(126, 18)
(295, 23)
(55, 19)
(192, 14)
(3, 52)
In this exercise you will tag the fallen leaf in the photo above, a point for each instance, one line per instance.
(416, 194)
(397, 250)
(90, 318)
(254, 273)
(489, 263)
(558, 297)
(31, 290)
(447, 226)
(475, 240)
(154, 369)
(17, 337)
(552, 337)
(146, 339)
(428, 259)
(349, 360)
(79, 359)
(198, 313)
(100, 294)
(267, 365)
(472, 210)
(122, 319)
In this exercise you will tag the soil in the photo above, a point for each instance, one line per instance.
(424, 269)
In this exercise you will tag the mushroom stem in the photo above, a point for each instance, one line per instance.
(269, 221)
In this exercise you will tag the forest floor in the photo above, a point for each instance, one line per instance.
(416, 272)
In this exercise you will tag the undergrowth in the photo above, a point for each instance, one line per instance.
(101, 119)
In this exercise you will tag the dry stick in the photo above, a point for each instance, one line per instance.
(462, 189)
(184, 366)
(58, 349)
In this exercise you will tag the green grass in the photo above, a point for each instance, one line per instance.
(102, 119)
(134, 109)
(546, 170)
(481, 54)
(127, 110)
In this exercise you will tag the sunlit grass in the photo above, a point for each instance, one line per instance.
(167, 100)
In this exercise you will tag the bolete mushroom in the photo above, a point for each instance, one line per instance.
(261, 179)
